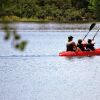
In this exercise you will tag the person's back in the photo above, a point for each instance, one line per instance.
(70, 45)
(90, 45)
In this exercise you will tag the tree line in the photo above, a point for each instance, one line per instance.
(52, 10)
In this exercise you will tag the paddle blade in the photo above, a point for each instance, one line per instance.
(92, 25)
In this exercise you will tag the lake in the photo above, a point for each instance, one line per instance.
(38, 73)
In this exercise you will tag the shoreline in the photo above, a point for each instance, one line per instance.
(15, 19)
(49, 26)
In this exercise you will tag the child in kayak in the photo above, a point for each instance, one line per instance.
(90, 45)
(71, 46)
(81, 46)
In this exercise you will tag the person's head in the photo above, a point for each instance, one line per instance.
(70, 38)
(79, 41)
(89, 40)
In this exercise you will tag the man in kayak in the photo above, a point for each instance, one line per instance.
(71, 46)
(81, 45)
(90, 45)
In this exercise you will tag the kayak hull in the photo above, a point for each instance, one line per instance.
(80, 53)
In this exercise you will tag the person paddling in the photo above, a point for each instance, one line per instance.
(71, 46)
(90, 45)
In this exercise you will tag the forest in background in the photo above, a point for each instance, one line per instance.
(50, 10)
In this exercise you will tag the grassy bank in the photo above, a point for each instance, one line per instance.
(18, 19)
(37, 20)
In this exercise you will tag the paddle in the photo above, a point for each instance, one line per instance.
(95, 34)
(91, 27)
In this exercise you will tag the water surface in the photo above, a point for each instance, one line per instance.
(39, 73)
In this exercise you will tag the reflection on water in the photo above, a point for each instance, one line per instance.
(39, 73)
(50, 26)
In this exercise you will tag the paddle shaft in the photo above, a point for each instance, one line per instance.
(86, 35)
(95, 34)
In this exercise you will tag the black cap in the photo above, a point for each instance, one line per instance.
(70, 37)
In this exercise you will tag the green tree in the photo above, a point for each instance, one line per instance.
(91, 5)
(97, 9)
(80, 3)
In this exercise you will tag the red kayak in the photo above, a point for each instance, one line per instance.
(80, 53)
